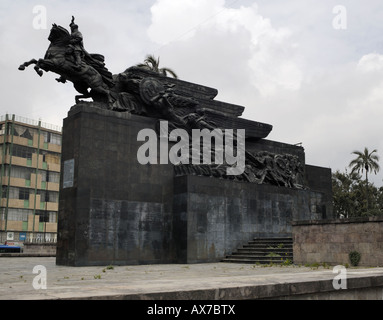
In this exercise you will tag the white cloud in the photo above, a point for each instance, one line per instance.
(371, 62)
(179, 20)
(343, 113)
(241, 40)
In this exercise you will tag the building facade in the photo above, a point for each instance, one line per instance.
(30, 178)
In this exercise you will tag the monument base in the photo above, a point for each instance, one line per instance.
(113, 210)
(213, 217)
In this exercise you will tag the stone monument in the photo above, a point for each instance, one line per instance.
(155, 170)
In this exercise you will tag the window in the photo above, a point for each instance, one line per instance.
(20, 172)
(47, 136)
(24, 194)
(24, 132)
(13, 193)
(56, 139)
(53, 177)
(43, 216)
(15, 131)
(22, 152)
(44, 196)
(44, 175)
(48, 196)
(17, 193)
(50, 137)
(18, 214)
(47, 216)
(4, 191)
(53, 217)
(50, 176)
(51, 158)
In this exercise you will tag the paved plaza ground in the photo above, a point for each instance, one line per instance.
(208, 281)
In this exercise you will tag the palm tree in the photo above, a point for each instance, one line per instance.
(365, 161)
(151, 63)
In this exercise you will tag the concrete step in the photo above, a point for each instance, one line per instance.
(263, 254)
(263, 250)
(252, 261)
(268, 247)
(273, 239)
(255, 260)
(271, 242)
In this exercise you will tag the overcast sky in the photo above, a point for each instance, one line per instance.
(311, 69)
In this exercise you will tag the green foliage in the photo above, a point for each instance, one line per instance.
(365, 162)
(272, 254)
(287, 262)
(153, 64)
(314, 265)
(354, 258)
(353, 197)
(279, 246)
(110, 267)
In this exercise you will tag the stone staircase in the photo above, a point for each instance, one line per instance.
(264, 250)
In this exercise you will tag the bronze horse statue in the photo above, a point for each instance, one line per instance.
(89, 74)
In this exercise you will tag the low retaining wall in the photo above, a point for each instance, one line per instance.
(40, 249)
(331, 241)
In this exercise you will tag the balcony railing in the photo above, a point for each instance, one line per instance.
(32, 122)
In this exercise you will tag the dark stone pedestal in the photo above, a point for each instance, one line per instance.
(214, 217)
(117, 211)
(113, 210)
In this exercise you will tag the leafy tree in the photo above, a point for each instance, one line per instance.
(345, 194)
(354, 196)
(367, 161)
(379, 199)
(153, 64)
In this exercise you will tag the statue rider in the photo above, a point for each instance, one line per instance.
(76, 44)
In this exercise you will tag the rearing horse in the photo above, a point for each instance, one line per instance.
(91, 74)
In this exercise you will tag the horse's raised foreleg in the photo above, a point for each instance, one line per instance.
(26, 64)
(36, 67)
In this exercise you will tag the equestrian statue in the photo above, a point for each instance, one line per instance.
(67, 57)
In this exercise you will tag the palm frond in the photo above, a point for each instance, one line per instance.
(365, 161)
(151, 63)
(165, 72)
